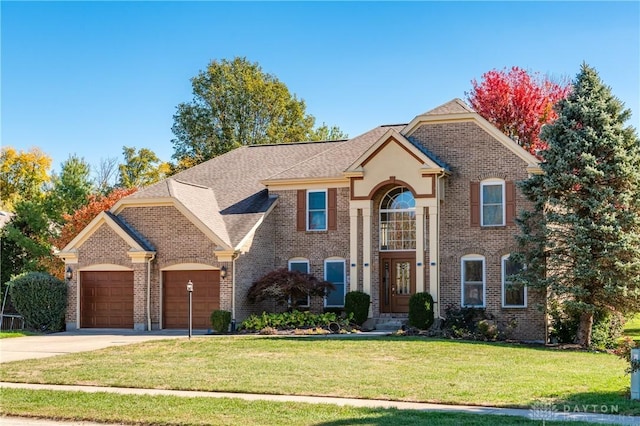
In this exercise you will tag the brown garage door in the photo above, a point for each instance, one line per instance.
(205, 298)
(106, 299)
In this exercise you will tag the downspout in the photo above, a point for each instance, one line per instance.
(153, 256)
(233, 292)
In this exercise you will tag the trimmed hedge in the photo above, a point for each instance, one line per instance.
(41, 299)
(220, 321)
(357, 303)
(421, 311)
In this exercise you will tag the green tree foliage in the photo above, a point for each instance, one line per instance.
(140, 168)
(25, 245)
(41, 299)
(70, 189)
(582, 241)
(326, 133)
(22, 175)
(235, 103)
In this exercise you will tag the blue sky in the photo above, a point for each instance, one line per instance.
(88, 78)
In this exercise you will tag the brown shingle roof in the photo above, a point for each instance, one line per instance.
(455, 106)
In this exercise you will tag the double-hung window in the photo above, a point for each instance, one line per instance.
(514, 295)
(317, 210)
(492, 202)
(473, 281)
(334, 272)
(300, 265)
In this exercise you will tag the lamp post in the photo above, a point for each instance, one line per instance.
(190, 292)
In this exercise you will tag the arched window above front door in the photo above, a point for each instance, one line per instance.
(398, 220)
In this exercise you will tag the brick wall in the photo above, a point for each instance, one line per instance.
(474, 155)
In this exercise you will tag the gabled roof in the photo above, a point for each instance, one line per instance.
(226, 197)
(388, 135)
(454, 106)
(105, 218)
(458, 111)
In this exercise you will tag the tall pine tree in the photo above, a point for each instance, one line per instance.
(581, 243)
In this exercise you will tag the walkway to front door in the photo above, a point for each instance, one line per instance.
(397, 282)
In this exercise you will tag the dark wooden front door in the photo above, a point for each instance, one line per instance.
(397, 282)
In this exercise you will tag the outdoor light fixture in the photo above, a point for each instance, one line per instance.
(68, 273)
(190, 291)
(223, 272)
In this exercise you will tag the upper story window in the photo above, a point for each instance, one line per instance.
(492, 201)
(473, 281)
(317, 210)
(398, 220)
(514, 295)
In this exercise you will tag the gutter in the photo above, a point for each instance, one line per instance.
(150, 259)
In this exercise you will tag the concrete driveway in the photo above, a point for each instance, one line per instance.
(30, 347)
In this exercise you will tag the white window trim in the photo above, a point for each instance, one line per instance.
(326, 209)
(300, 260)
(344, 276)
(472, 257)
(492, 182)
(504, 282)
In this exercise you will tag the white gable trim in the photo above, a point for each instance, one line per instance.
(533, 164)
(355, 169)
(101, 219)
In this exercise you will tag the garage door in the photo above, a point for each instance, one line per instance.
(205, 298)
(106, 299)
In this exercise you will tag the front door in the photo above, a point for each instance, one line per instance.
(397, 283)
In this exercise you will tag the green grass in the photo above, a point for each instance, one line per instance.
(632, 328)
(167, 410)
(10, 334)
(403, 369)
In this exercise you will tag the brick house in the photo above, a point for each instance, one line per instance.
(423, 206)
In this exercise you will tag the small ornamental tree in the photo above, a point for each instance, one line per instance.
(41, 299)
(286, 287)
(518, 103)
(581, 243)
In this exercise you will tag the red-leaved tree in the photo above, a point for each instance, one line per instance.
(77, 221)
(518, 103)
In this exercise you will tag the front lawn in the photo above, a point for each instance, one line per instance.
(632, 328)
(395, 368)
(169, 410)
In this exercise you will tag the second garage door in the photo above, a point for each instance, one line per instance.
(205, 298)
(106, 299)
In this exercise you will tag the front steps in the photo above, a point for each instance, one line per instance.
(386, 324)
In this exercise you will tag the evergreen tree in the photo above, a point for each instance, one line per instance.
(581, 243)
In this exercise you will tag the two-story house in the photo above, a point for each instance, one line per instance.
(424, 206)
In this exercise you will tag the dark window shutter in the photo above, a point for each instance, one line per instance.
(332, 209)
(301, 218)
(474, 197)
(510, 203)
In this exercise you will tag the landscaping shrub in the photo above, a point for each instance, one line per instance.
(286, 287)
(607, 327)
(421, 311)
(487, 330)
(606, 330)
(462, 322)
(220, 321)
(41, 299)
(357, 303)
(291, 321)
